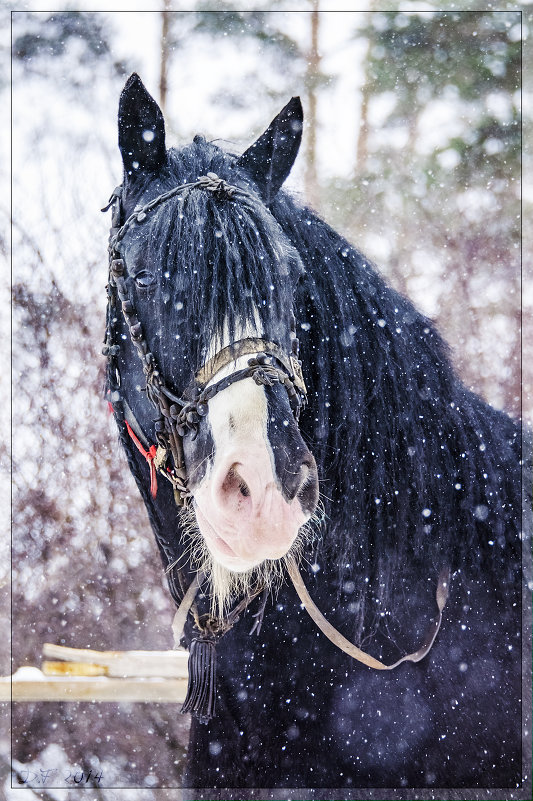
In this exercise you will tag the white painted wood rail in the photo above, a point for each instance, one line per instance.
(87, 675)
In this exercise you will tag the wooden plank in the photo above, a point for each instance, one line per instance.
(73, 669)
(87, 675)
(125, 664)
(97, 689)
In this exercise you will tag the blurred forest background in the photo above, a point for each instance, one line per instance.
(427, 182)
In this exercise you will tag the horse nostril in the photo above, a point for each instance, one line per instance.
(307, 492)
(234, 483)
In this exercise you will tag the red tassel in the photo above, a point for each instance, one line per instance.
(149, 455)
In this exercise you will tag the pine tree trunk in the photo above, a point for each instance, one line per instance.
(361, 152)
(163, 71)
(313, 67)
(361, 155)
(513, 387)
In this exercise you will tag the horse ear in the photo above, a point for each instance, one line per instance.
(270, 158)
(141, 128)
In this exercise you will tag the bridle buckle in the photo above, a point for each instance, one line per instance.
(298, 378)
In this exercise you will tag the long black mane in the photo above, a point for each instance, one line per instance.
(415, 469)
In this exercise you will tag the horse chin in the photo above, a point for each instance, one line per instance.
(232, 576)
(228, 586)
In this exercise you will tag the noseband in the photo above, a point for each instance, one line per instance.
(181, 414)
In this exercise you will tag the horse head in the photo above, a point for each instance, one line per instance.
(205, 349)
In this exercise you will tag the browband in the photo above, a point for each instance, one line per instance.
(247, 347)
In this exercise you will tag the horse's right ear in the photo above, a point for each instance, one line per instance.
(269, 160)
(141, 129)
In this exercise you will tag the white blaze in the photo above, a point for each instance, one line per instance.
(240, 509)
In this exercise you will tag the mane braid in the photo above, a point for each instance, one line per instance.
(401, 445)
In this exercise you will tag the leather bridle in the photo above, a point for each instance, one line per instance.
(181, 414)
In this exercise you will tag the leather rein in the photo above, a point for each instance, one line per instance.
(333, 635)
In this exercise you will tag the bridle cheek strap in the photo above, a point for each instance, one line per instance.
(180, 415)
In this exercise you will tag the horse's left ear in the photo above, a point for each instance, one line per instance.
(269, 160)
(141, 128)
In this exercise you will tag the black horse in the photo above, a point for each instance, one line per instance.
(220, 283)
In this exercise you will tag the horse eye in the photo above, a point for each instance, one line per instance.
(144, 278)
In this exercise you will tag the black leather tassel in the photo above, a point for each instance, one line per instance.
(201, 690)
